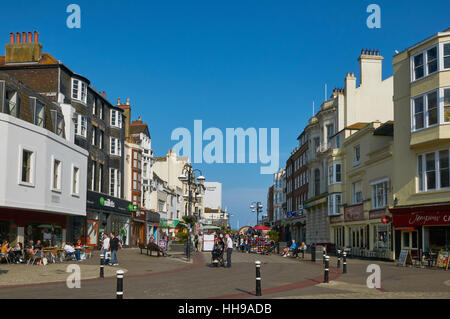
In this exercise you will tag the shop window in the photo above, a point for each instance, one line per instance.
(439, 238)
(409, 239)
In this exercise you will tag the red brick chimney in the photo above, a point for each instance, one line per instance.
(36, 36)
(18, 37)
(22, 49)
(30, 37)
(12, 38)
(24, 37)
(104, 94)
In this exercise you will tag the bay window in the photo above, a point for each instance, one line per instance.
(427, 109)
(115, 146)
(446, 56)
(80, 123)
(433, 171)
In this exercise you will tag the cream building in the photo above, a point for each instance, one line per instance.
(421, 216)
(360, 190)
(369, 101)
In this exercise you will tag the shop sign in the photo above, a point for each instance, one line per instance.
(335, 219)
(139, 215)
(421, 219)
(385, 219)
(103, 202)
(354, 213)
(375, 214)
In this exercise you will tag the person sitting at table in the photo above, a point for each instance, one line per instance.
(4, 250)
(70, 250)
(79, 244)
(16, 253)
(292, 248)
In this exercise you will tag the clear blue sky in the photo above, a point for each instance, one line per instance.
(235, 63)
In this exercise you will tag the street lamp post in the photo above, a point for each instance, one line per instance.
(258, 208)
(187, 177)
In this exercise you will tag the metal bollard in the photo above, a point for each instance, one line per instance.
(119, 284)
(303, 254)
(339, 259)
(258, 278)
(327, 264)
(102, 262)
(324, 253)
(344, 264)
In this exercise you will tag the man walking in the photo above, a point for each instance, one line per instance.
(229, 249)
(105, 248)
(114, 247)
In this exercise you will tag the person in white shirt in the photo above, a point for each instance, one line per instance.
(229, 249)
(105, 247)
(72, 251)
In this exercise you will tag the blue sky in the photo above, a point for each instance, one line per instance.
(247, 63)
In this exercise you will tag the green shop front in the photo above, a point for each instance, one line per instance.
(104, 214)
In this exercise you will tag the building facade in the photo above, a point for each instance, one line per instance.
(421, 181)
(43, 173)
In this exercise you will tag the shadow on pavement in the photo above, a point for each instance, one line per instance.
(245, 291)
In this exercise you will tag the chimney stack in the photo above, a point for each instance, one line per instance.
(370, 66)
(22, 49)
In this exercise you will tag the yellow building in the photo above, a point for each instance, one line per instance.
(360, 191)
(421, 215)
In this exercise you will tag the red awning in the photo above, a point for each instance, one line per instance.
(404, 228)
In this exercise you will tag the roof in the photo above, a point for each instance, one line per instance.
(386, 129)
(139, 128)
(357, 126)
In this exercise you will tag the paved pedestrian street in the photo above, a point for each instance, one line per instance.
(175, 277)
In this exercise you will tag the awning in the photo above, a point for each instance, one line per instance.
(404, 228)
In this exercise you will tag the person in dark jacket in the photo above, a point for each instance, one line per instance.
(114, 246)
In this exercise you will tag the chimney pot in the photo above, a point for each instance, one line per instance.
(128, 101)
(12, 38)
(24, 37)
(36, 36)
(140, 118)
(30, 37)
(18, 37)
(118, 101)
(104, 94)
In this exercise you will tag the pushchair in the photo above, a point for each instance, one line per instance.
(217, 257)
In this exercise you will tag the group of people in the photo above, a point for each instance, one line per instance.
(245, 243)
(111, 244)
(222, 244)
(293, 249)
(13, 253)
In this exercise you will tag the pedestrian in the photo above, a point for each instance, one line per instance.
(200, 242)
(105, 248)
(229, 249)
(114, 247)
(196, 243)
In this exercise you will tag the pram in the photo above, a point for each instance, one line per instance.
(217, 257)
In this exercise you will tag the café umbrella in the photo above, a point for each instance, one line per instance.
(261, 227)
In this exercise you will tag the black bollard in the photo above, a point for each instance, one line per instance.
(324, 253)
(258, 278)
(339, 259)
(313, 254)
(119, 292)
(344, 264)
(327, 264)
(303, 254)
(102, 262)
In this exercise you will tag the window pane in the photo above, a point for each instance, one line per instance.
(420, 172)
(26, 166)
(444, 168)
(414, 239)
(447, 56)
(432, 108)
(430, 171)
(418, 113)
(447, 105)
(447, 62)
(418, 66)
(406, 239)
(432, 60)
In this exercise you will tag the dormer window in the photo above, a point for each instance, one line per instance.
(79, 90)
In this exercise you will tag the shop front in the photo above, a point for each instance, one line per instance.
(425, 228)
(153, 220)
(138, 228)
(364, 233)
(106, 214)
(23, 226)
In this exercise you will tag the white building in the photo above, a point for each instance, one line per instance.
(43, 175)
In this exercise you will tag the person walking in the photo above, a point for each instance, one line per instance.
(200, 242)
(229, 249)
(105, 248)
(114, 247)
